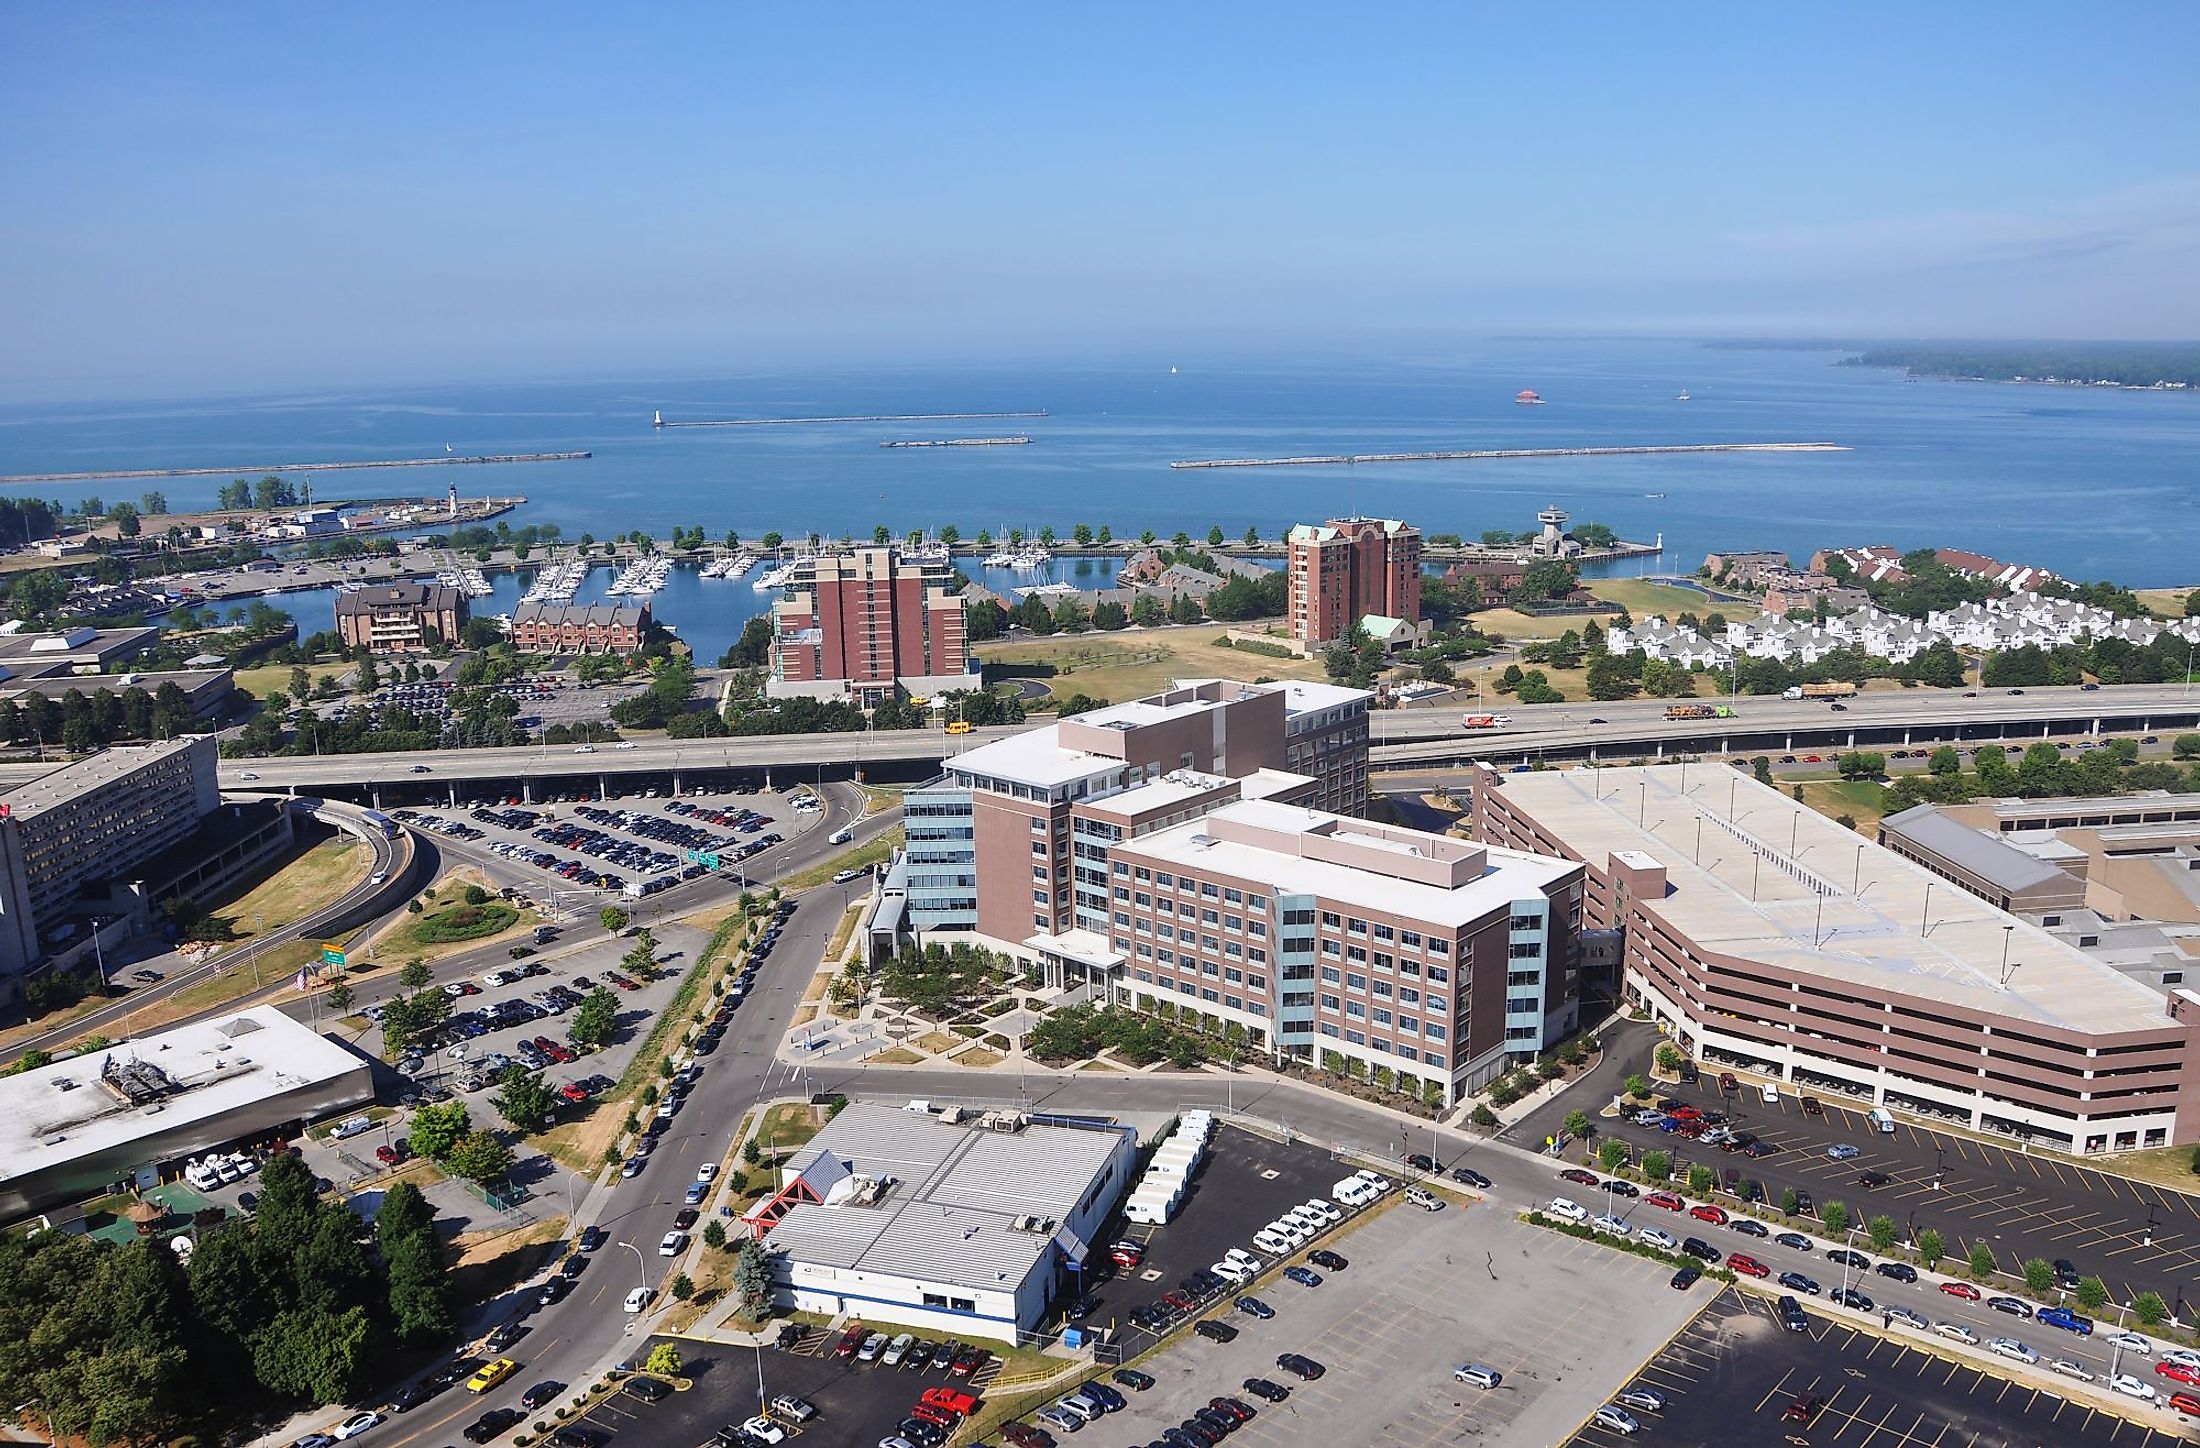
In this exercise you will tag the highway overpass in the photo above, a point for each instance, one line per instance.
(1400, 739)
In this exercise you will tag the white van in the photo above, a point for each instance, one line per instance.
(1772, 1093)
(1883, 1120)
(840, 837)
(1566, 1211)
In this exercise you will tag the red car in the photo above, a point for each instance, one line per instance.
(1127, 1254)
(2178, 1371)
(573, 1093)
(1716, 1216)
(1963, 1290)
(949, 1400)
(1748, 1266)
(2185, 1403)
(391, 1155)
(1578, 1177)
(1684, 1113)
(1023, 1435)
(850, 1340)
(1666, 1200)
(938, 1417)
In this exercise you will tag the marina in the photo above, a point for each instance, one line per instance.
(643, 578)
(266, 470)
(1483, 454)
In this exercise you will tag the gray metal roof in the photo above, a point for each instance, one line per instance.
(949, 1217)
(2002, 865)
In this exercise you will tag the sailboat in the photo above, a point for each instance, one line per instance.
(1683, 397)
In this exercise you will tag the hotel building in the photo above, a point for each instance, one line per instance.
(868, 625)
(1348, 569)
(1762, 935)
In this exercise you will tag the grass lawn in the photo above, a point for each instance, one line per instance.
(1640, 597)
(266, 681)
(869, 853)
(2168, 602)
(1134, 662)
(1859, 799)
(787, 1126)
(398, 935)
(303, 885)
(979, 1056)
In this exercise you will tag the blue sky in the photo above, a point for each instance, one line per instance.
(233, 196)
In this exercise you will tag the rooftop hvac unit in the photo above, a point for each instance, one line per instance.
(1036, 1226)
(1004, 1121)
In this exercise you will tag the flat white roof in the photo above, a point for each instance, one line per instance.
(1035, 757)
(63, 1111)
(1508, 876)
(949, 1218)
(1752, 873)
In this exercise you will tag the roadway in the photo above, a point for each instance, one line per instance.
(572, 1340)
(1399, 739)
(387, 876)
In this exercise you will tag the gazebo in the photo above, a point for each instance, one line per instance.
(146, 1215)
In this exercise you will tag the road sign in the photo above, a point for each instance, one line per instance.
(709, 861)
(332, 954)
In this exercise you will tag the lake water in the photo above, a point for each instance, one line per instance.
(2091, 483)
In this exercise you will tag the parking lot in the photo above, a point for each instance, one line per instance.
(1245, 1182)
(1734, 1376)
(2024, 1204)
(857, 1404)
(619, 849)
(1565, 1322)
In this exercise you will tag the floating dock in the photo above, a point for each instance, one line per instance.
(659, 419)
(958, 442)
(1483, 454)
(264, 471)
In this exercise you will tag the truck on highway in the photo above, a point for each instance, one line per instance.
(1700, 711)
(1485, 721)
(1818, 691)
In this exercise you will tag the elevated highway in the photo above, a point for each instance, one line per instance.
(1400, 739)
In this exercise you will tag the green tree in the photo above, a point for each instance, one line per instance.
(1638, 1085)
(1836, 1217)
(1701, 1179)
(752, 1278)
(1482, 1116)
(1930, 1248)
(1761, 767)
(479, 1157)
(1657, 1165)
(595, 1018)
(714, 1233)
(2092, 1293)
(524, 1099)
(2039, 1276)
(1981, 1260)
(438, 1128)
(315, 1354)
(2149, 1307)
(1946, 761)
(1577, 1125)
(1883, 1232)
(1789, 1202)
(664, 1358)
(414, 974)
(339, 997)
(1612, 1155)
(683, 1287)
(1214, 536)
(613, 918)
(1669, 1058)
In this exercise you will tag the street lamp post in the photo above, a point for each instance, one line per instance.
(641, 1272)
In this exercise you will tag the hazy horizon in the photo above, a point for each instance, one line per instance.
(234, 201)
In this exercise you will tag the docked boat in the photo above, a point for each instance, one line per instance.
(777, 576)
(1000, 559)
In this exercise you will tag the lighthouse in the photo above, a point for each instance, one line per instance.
(454, 503)
(659, 419)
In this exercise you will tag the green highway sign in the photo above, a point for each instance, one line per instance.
(332, 954)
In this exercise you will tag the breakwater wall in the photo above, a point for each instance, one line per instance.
(277, 469)
(1484, 454)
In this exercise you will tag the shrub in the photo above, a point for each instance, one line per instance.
(1638, 1086)
(2039, 1276)
(1657, 1165)
(464, 922)
(2150, 1309)
(1670, 1058)
(1981, 1260)
(1482, 1115)
(1612, 1154)
(1930, 1248)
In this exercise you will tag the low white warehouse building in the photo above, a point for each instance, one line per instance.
(958, 1223)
